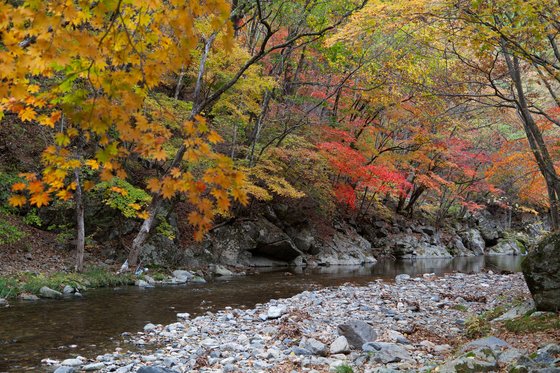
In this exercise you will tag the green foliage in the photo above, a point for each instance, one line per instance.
(28, 282)
(123, 196)
(9, 234)
(6, 182)
(476, 327)
(479, 326)
(344, 368)
(460, 307)
(31, 218)
(8, 287)
(164, 228)
(531, 324)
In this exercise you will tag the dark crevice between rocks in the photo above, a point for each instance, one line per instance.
(283, 250)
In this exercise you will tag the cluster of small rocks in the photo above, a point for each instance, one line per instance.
(180, 277)
(413, 324)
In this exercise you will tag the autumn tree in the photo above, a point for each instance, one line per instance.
(95, 65)
(511, 50)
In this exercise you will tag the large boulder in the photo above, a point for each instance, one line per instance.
(46, 292)
(457, 247)
(383, 352)
(473, 241)
(162, 251)
(357, 333)
(506, 247)
(490, 228)
(541, 269)
(482, 359)
(345, 248)
(406, 245)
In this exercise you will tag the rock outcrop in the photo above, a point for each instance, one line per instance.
(282, 235)
(541, 269)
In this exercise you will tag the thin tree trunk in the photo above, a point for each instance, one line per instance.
(179, 83)
(148, 223)
(80, 226)
(258, 125)
(535, 138)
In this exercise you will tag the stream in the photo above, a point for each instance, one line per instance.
(88, 326)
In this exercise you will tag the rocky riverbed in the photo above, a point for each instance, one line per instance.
(412, 324)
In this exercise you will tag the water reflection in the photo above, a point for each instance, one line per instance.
(32, 331)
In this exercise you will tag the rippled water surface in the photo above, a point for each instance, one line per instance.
(58, 329)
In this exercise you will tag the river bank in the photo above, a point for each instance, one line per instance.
(417, 323)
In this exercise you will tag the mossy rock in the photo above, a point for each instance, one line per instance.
(541, 269)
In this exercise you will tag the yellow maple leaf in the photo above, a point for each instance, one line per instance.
(159, 154)
(168, 188)
(143, 214)
(88, 185)
(40, 199)
(175, 172)
(121, 191)
(36, 186)
(240, 196)
(17, 200)
(214, 137)
(153, 185)
(61, 139)
(33, 88)
(27, 114)
(93, 164)
(18, 187)
(135, 206)
(29, 176)
(64, 195)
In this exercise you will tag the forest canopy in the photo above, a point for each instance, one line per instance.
(211, 107)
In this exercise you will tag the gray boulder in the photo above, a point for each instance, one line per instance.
(314, 346)
(357, 333)
(156, 369)
(27, 296)
(220, 270)
(482, 359)
(383, 352)
(517, 311)
(347, 248)
(339, 346)
(275, 312)
(3, 302)
(72, 362)
(68, 289)
(64, 369)
(493, 343)
(403, 277)
(541, 269)
(490, 228)
(143, 284)
(182, 276)
(506, 247)
(473, 241)
(457, 247)
(93, 366)
(198, 280)
(47, 292)
(405, 246)
(149, 279)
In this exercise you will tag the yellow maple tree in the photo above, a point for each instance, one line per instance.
(85, 69)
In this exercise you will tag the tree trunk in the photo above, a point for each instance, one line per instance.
(80, 226)
(258, 126)
(535, 138)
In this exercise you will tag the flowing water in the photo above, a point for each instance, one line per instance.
(59, 329)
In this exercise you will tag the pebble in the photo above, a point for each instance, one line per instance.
(304, 330)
